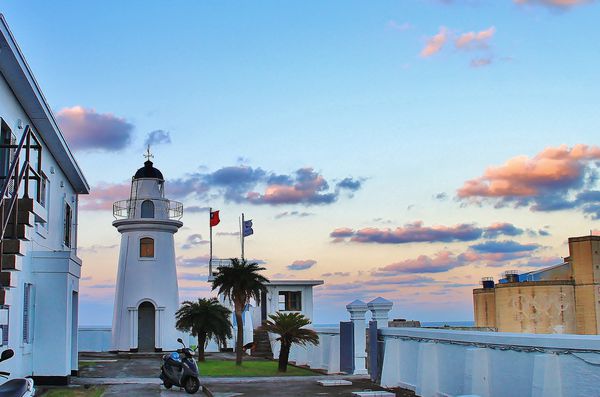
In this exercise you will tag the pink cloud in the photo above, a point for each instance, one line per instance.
(307, 188)
(555, 3)
(103, 196)
(86, 129)
(435, 43)
(554, 168)
(440, 262)
(474, 40)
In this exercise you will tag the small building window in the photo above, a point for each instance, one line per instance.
(147, 209)
(147, 247)
(290, 301)
(68, 225)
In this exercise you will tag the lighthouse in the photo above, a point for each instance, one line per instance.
(146, 295)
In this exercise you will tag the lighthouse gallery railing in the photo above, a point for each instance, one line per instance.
(163, 208)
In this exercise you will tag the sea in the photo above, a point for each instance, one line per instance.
(423, 324)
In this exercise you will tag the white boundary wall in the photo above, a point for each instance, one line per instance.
(453, 363)
(324, 356)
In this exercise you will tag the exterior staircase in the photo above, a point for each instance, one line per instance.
(17, 213)
(12, 246)
(262, 343)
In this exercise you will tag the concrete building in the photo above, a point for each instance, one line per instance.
(146, 296)
(40, 269)
(564, 298)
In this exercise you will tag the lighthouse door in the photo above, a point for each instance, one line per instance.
(146, 327)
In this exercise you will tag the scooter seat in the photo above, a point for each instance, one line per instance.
(13, 388)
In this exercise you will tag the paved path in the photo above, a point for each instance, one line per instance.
(132, 375)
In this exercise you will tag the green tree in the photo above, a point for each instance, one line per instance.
(239, 283)
(205, 319)
(290, 328)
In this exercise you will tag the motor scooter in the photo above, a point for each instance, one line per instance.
(18, 387)
(180, 369)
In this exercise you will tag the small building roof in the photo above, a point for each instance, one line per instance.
(295, 282)
(19, 77)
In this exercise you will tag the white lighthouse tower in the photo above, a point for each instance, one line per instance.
(146, 297)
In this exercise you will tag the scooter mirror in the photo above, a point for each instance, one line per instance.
(179, 340)
(6, 354)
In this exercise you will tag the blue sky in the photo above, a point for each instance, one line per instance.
(343, 88)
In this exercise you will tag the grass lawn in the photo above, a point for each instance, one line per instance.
(74, 392)
(249, 368)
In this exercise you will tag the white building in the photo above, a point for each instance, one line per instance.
(146, 297)
(286, 296)
(40, 268)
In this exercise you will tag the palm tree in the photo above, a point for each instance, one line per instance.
(239, 283)
(289, 327)
(205, 319)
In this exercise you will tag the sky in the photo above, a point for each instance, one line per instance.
(402, 149)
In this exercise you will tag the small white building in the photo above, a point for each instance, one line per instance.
(286, 296)
(146, 296)
(40, 268)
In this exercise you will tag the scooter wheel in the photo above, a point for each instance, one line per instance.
(192, 385)
(167, 384)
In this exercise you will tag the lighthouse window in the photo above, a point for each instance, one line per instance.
(147, 209)
(147, 247)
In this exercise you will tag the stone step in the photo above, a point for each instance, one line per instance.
(23, 218)
(3, 296)
(13, 246)
(22, 233)
(10, 262)
(6, 280)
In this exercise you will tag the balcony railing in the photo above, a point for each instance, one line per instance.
(214, 264)
(163, 209)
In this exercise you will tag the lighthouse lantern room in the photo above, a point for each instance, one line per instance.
(146, 296)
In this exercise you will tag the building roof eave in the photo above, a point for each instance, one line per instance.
(295, 282)
(19, 77)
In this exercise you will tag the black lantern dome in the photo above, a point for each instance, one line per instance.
(148, 171)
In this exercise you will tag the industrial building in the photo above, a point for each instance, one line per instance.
(561, 299)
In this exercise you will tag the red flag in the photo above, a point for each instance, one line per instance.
(214, 218)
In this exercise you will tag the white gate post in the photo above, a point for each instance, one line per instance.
(357, 311)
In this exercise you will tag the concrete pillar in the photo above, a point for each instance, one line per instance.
(391, 362)
(357, 311)
(380, 309)
(428, 367)
(477, 372)
(547, 380)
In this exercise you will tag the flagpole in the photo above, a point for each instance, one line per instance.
(210, 256)
(242, 231)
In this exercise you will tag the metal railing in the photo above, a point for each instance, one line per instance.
(11, 182)
(163, 208)
(214, 264)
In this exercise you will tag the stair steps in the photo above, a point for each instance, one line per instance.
(14, 246)
(262, 344)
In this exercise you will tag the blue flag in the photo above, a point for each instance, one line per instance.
(248, 231)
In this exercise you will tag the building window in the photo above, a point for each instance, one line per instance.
(4, 326)
(147, 247)
(7, 152)
(147, 209)
(290, 301)
(27, 313)
(44, 190)
(68, 225)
